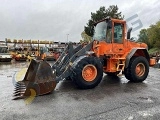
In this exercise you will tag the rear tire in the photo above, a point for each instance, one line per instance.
(87, 73)
(137, 70)
(126, 72)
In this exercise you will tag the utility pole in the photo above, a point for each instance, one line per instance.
(38, 49)
(67, 37)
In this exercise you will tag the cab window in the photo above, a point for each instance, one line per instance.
(118, 33)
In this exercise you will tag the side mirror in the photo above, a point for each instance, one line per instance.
(129, 33)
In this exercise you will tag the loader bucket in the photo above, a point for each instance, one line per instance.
(39, 80)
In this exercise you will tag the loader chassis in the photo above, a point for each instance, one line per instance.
(109, 52)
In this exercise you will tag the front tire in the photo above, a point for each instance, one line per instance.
(137, 70)
(88, 72)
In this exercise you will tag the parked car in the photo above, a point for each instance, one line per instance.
(5, 56)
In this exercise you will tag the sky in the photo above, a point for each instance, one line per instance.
(55, 20)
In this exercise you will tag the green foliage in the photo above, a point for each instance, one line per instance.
(143, 37)
(100, 14)
(153, 51)
(151, 36)
(85, 37)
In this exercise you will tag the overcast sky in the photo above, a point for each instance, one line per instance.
(54, 19)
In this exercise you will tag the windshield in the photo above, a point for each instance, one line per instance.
(3, 50)
(100, 31)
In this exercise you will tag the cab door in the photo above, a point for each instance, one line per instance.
(118, 37)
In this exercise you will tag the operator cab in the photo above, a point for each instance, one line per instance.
(110, 30)
(110, 35)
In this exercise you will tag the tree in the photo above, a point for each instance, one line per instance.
(151, 36)
(143, 37)
(85, 37)
(100, 14)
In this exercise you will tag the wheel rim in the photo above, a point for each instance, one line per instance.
(89, 73)
(140, 69)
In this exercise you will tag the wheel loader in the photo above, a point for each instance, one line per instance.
(111, 51)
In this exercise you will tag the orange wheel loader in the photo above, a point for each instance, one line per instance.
(111, 51)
